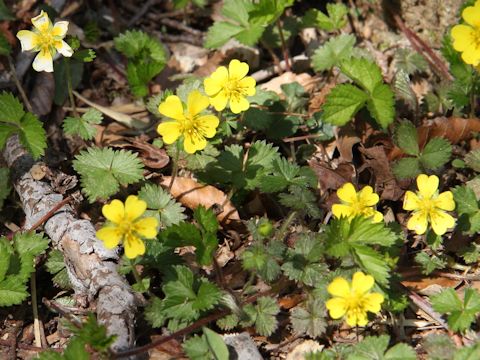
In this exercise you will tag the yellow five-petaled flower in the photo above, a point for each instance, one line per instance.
(429, 206)
(47, 39)
(357, 204)
(188, 122)
(355, 300)
(466, 37)
(127, 226)
(230, 86)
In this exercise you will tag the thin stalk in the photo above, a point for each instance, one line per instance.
(70, 87)
(19, 85)
(286, 56)
(36, 322)
(175, 166)
(473, 95)
(283, 229)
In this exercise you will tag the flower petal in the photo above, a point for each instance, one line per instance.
(373, 302)
(445, 201)
(219, 101)
(339, 287)
(336, 307)
(377, 217)
(207, 125)
(362, 283)
(248, 86)
(41, 22)
(427, 185)
(216, 82)
(237, 69)
(134, 246)
(342, 210)
(147, 227)
(463, 37)
(471, 15)
(367, 197)
(110, 235)
(196, 103)
(347, 193)
(172, 107)
(28, 39)
(134, 207)
(43, 62)
(239, 104)
(418, 222)
(115, 211)
(170, 131)
(471, 55)
(60, 29)
(411, 201)
(441, 221)
(194, 142)
(63, 48)
(357, 318)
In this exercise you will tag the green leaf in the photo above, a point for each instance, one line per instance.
(436, 153)
(5, 48)
(154, 313)
(83, 126)
(219, 33)
(197, 348)
(373, 347)
(372, 263)
(5, 13)
(32, 135)
(264, 260)
(335, 50)
(465, 200)
(410, 61)
(30, 244)
(335, 20)
(404, 91)
(342, 103)
(102, 171)
(93, 334)
(216, 344)
(286, 173)
(363, 72)
(6, 250)
(56, 267)
(309, 318)
(406, 137)
(472, 159)
(263, 315)
(12, 291)
(169, 211)
(468, 352)
(60, 69)
(301, 199)
(439, 347)
(429, 263)
(381, 105)
(406, 168)
(4, 185)
(12, 109)
(206, 219)
(237, 10)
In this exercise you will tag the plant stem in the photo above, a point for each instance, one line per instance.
(286, 56)
(70, 87)
(283, 229)
(19, 85)
(175, 166)
(36, 322)
(473, 95)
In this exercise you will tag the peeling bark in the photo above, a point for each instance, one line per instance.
(91, 267)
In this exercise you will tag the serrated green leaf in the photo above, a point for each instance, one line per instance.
(216, 344)
(404, 91)
(93, 334)
(301, 199)
(439, 347)
(436, 153)
(12, 291)
(406, 137)
(373, 347)
(335, 20)
(5, 132)
(83, 126)
(102, 171)
(154, 313)
(6, 250)
(342, 103)
(472, 159)
(219, 33)
(260, 259)
(206, 219)
(465, 199)
(237, 10)
(381, 105)
(30, 244)
(406, 168)
(197, 348)
(32, 135)
(409, 61)
(363, 72)
(169, 210)
(4, 185)
(12, 109)
(429, 263)
(333, 52)
(372, 263)
(263, 315)
(56, 267)
(60, 69)
(309, 318)
(468, 352)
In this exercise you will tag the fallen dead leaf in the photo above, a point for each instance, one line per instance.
(415, 280)
(275, 84)
(193, 194)
(305, 347)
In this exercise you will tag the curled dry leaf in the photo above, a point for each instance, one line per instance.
(193, 194)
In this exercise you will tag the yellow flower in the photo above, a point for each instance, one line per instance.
(429, 206)
(355, 204)
(47, 39)
(230, 86)
(466, 37)
(126, 226)
(190, 123)
(353, 301)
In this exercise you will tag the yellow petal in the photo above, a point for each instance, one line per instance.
(147, 227)
(377, 217)
(367, 197)
(172, 107)
(347, 193)
(63, 48)
(193, 142)
(471, 55)
(471, 15)
(134, 246)
(427, 185)
(373, 302)
(134, 207)
(216, 82)
(170, 131)
(248, 86)
(28, 39)
(418, 222)
(110, 235)
(336, 307)
(60, 29)
(357, 318)
(445, 201)
(362, 283)
(342, 210)
(219, 101)
(43, 62)
(463, 37)
(410, 201)
(239, 104)
(114, 211)
(196, 103)
(237, 69)
(207, 125)
(339, 287)
(41, 22)
(441, 221)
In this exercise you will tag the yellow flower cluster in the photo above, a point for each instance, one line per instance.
(224, 87)
(355, 203)
(466, 37)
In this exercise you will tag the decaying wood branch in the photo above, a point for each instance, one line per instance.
(91, 267)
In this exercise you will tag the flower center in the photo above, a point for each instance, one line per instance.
(355, 303)
(191, 127)
(127, 228)
(427, 206)
(233, 89)
(476, 36)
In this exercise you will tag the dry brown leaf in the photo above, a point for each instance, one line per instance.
(346, 140)
(275, 84)
(193, 194)
(152, 156)
(331, 179)
(415, 280)
(171, 349)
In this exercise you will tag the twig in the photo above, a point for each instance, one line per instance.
(141, 12)
(187, 38)
(270, 71)
(18, 84)
(36, 322)
(286, 56)
(50, 213)
(25, 346)
(180, 26)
